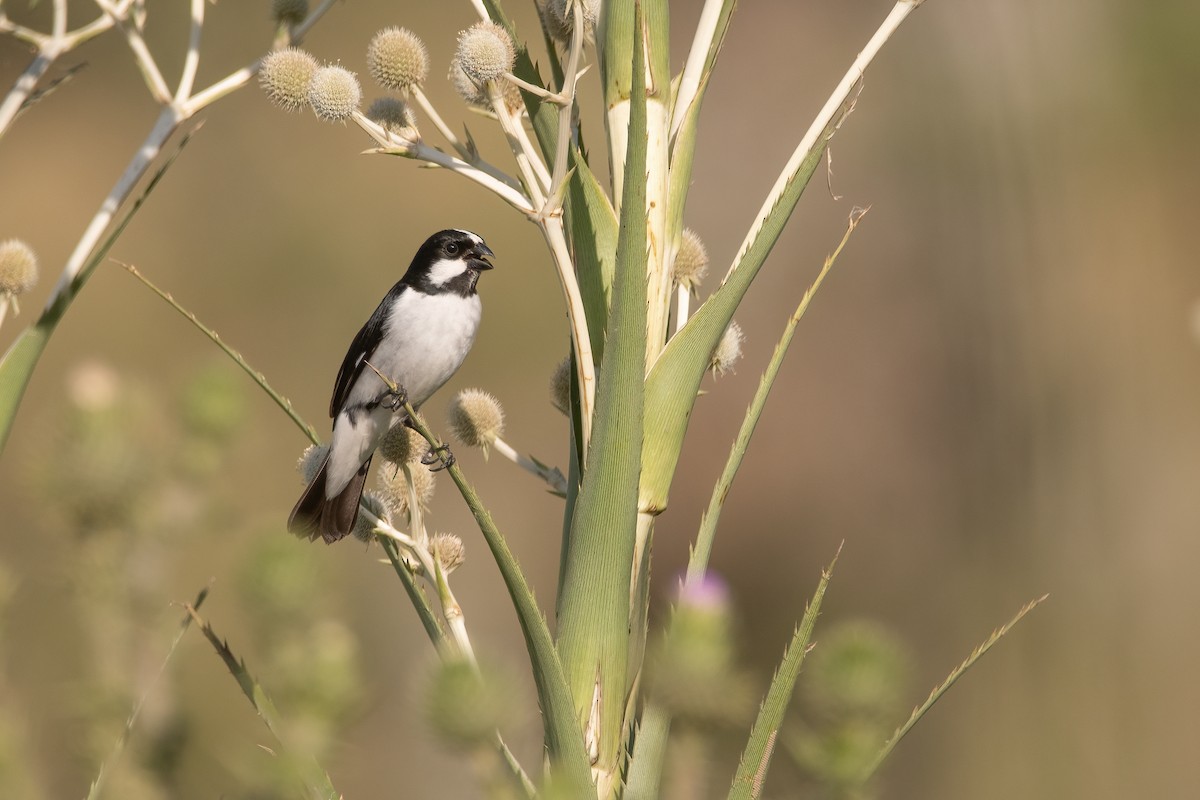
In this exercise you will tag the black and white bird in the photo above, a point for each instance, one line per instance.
(417, 338)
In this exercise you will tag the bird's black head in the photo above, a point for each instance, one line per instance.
(449, 261)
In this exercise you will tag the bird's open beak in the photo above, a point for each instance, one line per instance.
(480, 254)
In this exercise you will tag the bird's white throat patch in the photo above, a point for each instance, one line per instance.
(445, 270)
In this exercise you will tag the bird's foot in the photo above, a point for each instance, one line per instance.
(394, 398)
(439, 455)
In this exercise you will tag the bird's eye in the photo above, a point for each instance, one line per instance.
(452, 248)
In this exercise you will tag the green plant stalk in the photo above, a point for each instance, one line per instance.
(97, 787)
(563, 740)
(756, 758)
(940, 690)
(594, 609)
(429, 619)
(699, 557)
(312, 775)
(649, 755)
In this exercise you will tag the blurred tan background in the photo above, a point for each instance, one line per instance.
(996, 395)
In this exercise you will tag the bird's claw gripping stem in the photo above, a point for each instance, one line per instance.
(439, 455)
(395, 398)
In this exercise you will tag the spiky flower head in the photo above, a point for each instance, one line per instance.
(18, 267)
(285, 77)
(449, 550)
(729, 350)
(397, 59)
(476, 94)
(559, 18)
(402, 445)
(393, 486)
(310, 461)
(393, 114)
(289, 12)
(476, 418)
(560, 386)
(485, 52)
(691, 262)
(334, 93)
(364, 526)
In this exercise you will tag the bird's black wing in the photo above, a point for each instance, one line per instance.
(364, 344)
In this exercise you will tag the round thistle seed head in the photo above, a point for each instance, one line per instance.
(476, 94)
(393, 114)
(476, 418)
(393, 487)
(397, 59)
(485, 52)
(402, 445)
(728, 350)
(285, 77)
(334, 93)
(289, 12)
(18, 267)
(691, 262)
(449, 550)
(560, 386)
(310, 461)
(364, 527)
(559, 18)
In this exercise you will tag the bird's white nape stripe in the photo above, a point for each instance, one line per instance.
(445, 270)
(475, 237)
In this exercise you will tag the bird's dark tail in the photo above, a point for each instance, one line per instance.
(331, 518)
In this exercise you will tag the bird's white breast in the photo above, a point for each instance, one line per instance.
(426, 339)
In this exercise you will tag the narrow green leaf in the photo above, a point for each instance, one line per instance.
(674, 380)
(16, 369)
(592, 225)
(649, 755)
(756, 758)
(698, 560)
(97, 787)
(593, 618)
(940, 690)
(310, 773)
(564, 743)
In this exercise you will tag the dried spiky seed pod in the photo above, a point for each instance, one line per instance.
(334, 93)
(560, 386)
(397, 59)
(18, 267)
(289, 12)
(559, 19)
(729, 350)
(285, 77)
(485, 52)
(393, 114)
(393, 486)
(691, 262)
(310, 461)
(476, 418)
(449, 550)
(364, 527)
(402, 445)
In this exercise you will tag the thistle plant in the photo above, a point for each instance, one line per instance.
(628, 270)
